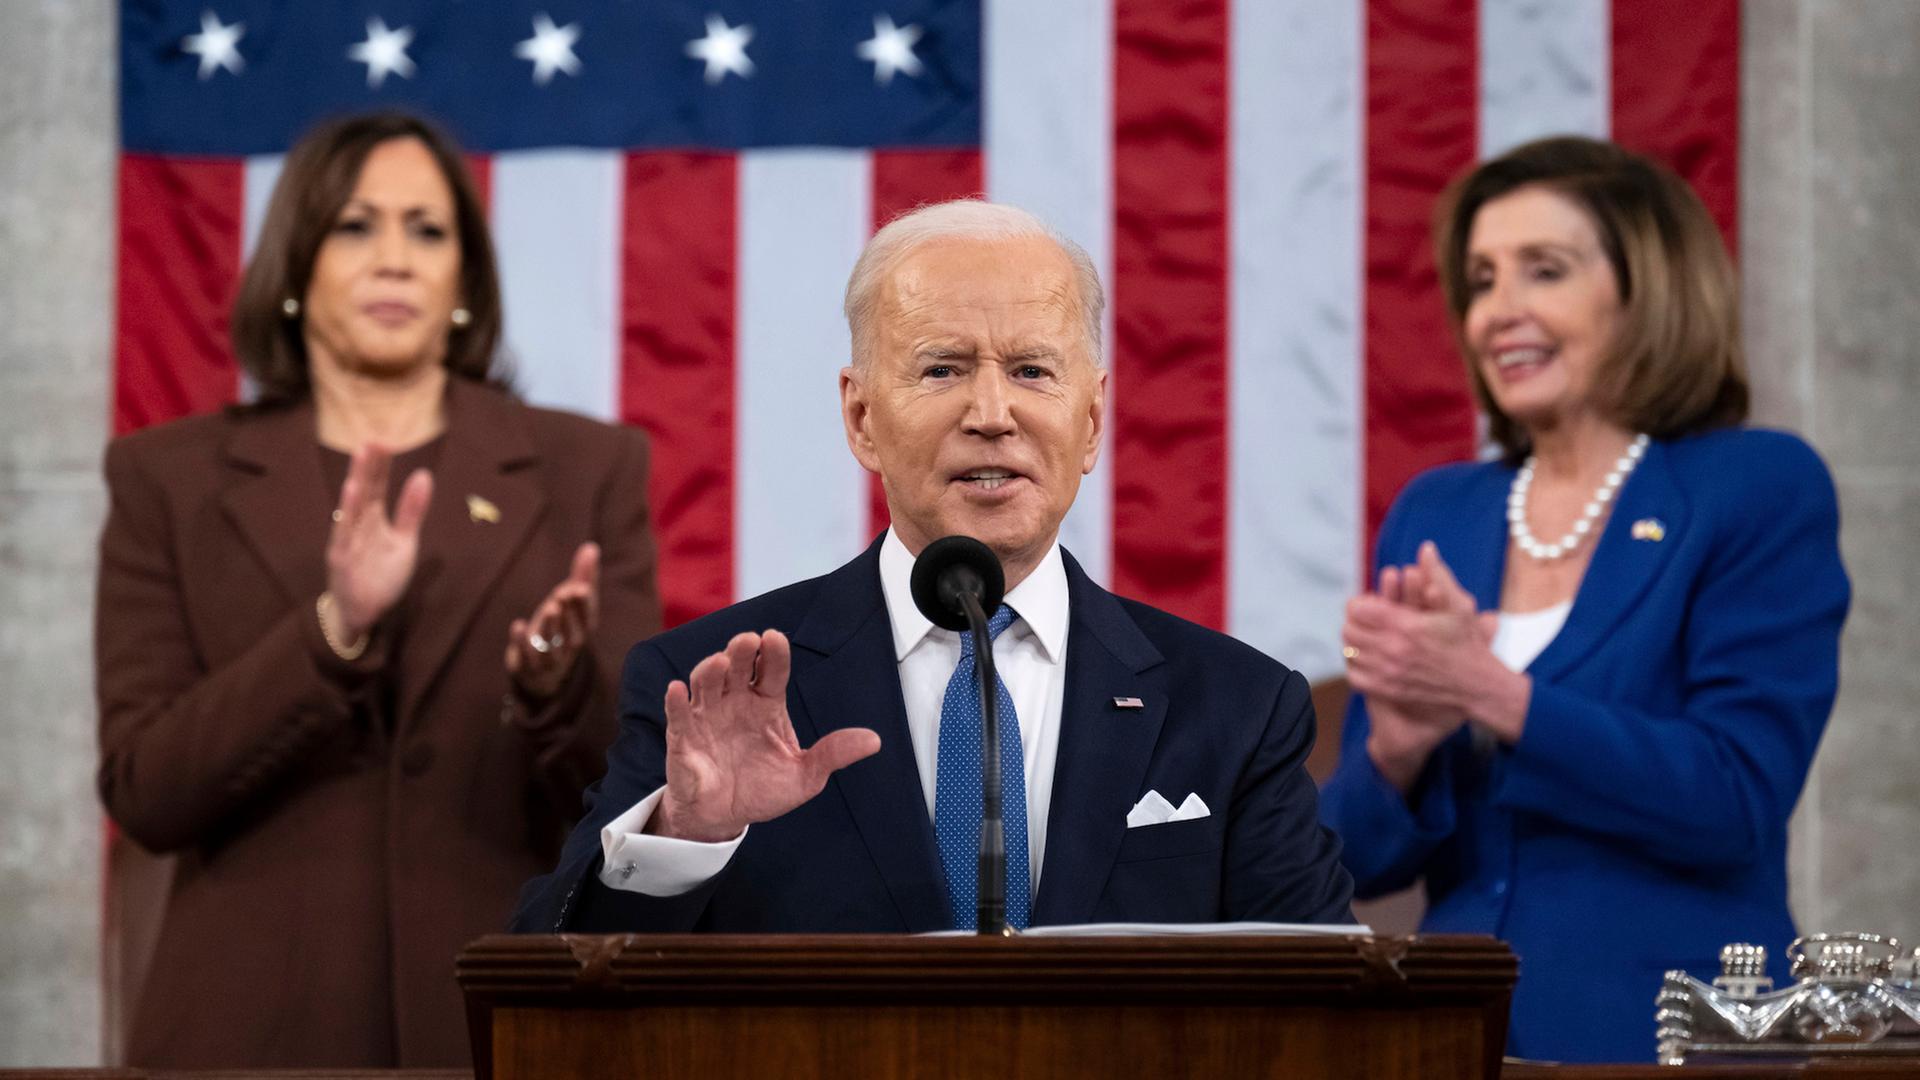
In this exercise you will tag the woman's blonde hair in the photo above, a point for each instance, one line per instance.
(1675, 365)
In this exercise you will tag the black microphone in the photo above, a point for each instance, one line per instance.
(955, 582)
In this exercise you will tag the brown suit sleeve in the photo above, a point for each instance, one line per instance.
(569, 736)
(183, 747)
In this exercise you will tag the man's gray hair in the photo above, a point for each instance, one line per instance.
(964, 219)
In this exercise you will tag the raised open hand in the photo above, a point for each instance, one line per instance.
(370, 558)
(732, 758)
(543, 647)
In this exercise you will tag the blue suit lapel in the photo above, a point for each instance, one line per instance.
(1104, 750)
(1479, 558)
(855, 682)
(1623, 567)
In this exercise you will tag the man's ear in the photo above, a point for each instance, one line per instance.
(1097, 426)
(855, 414)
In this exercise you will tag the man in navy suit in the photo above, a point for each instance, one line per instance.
(1163, 763)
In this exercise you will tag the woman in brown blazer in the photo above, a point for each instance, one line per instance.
(358, 642)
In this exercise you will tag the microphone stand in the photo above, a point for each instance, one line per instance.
(991, 910)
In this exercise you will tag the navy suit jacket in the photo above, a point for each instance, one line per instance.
(1220, 719)
(1641, 821)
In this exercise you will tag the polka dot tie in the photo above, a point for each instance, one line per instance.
(957, 795)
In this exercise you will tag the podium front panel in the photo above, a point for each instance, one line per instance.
(717, 1006)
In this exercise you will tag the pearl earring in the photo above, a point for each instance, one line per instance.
(290, 308)
(461, 317)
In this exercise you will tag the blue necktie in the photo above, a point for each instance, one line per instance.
(956, 788)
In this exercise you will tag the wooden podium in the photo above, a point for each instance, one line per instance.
(716, 1006)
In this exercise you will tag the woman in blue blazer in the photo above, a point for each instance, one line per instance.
(1592, 678)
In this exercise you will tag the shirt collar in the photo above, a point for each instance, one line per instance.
(1040, 600)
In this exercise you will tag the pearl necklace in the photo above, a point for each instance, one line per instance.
(1517, 505)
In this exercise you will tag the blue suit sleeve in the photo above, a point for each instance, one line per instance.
(1387, 836)
(1282, 864)
(1707, 787)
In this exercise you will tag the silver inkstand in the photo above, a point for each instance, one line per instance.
(1854, 996)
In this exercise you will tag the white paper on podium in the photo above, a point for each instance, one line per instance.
(1225, 929)
(1212, 929)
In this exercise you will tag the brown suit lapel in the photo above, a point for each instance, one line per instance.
(488, 453)
(279, 500)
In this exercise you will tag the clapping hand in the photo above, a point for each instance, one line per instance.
(1428, 584)
(370, 558)
(732, 757)
(1422, 653)
(543, 647)
(1415, 640)
(1391, 639)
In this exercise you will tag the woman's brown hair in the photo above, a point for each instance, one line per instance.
(317, 180)
(1675, 366)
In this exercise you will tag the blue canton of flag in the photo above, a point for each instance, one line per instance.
(226, 77)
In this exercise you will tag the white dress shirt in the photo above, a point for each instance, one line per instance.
(1031, 659)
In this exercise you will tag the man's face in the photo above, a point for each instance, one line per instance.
(977, 402)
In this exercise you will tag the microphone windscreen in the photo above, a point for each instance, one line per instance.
(947, 567)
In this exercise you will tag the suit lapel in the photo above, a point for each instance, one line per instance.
(855, 682)
(1478, 558)
(1624, 566)
(1104, 750)
(279, 500)
(488, 453)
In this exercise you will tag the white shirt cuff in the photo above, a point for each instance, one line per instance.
(657, 865)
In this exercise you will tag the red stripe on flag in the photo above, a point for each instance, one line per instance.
(677, 357)
(480, 167)
(180, 233)
(1170, 251)
(1422, 72)
(903, 180)
(1676, 94)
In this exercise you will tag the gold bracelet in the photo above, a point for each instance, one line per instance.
(323, 608)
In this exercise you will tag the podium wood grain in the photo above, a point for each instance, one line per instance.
(713, 1006)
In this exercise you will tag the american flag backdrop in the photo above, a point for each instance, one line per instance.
(678, 189)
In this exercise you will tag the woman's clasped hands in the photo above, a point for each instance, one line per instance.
(1421, 651)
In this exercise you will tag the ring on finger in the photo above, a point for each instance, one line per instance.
(1349, 652)
(542, 644)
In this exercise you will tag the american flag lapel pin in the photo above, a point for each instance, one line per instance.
(1128, 703)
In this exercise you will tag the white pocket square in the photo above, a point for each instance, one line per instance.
(1154, 809)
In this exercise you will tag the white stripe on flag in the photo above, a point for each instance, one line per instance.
(1544, 70)
(262, 172)
(557, 229)
(1048, 120)
(800, 499)
(1295, 402)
